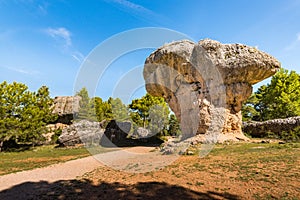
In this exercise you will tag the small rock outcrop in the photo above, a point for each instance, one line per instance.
(143, 133)
(116, 133)
(66, 107)
(277, 126)
(82, 132)
(52, 128)
(205, 84)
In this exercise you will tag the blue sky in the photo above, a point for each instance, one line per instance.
(45, 42)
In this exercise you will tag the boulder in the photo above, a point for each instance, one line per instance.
(206, 83)
(116, 133)
(82, 132)
(143, 133)
(66, 107)
(52, 128)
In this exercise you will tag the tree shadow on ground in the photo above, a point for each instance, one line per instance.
(84, 189)
(153, 141)
(13, 146)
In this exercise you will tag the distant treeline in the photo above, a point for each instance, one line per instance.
(25, 114)
(148, 112)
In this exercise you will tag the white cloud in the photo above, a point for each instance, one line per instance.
(139, 11)
(64, 35)
(23, 70)
(42, 9)
(131, 5)
(78, 56)
(298, 37)
(60, 33)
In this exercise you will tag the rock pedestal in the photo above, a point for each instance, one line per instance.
(205, 84)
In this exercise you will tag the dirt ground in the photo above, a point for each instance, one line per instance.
(256, 173)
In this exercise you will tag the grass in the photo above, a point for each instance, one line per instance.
(198, 183)
(264, 163)
(38, 157)
(260, 171)
(248, 170)
(249, 158)
(256, 162)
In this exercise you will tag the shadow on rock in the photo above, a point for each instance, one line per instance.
(84, 189)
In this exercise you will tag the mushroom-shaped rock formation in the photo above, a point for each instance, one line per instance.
(205, 84)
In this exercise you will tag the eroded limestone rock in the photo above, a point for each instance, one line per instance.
(205, 84)
(82, 132)
(277, 126)
(66, 107)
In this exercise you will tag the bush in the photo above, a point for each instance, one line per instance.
(291, 136)
(54, 138)
(288, 136)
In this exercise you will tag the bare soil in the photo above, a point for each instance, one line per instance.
(259, 171)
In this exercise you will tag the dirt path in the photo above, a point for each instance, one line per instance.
(75, 168)
(235, 172)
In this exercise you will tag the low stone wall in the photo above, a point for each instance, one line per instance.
(277, 126)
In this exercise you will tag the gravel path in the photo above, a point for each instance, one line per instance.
(61, 171)
(139, 157)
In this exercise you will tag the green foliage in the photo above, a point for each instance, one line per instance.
(174, 126)
(87, 106)
(279, 99)
(95, 109)
(119, 110)
(103, 109)
(24, 114)
(150, 112)
(36, 157)
(249, 109)
(288, 136)
(291, 136)
(54, 138)
(158, 115)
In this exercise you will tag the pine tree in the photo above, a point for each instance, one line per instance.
(103, 109)
(174, 126)
(150, 112)
(87, 110)
(119, 110)
(279, 99)
(24, 114)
